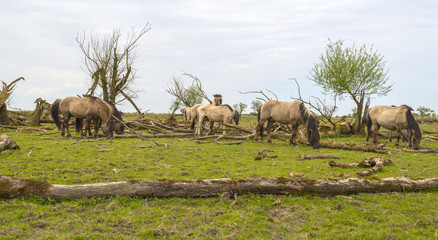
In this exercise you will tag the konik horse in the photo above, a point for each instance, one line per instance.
(394, 119)
(119, 128)
(222, 114)
(294, 113)
(82, 108)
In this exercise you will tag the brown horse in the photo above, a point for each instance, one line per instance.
(82, 108)
(222, 114)
(119, 128)
(294, 113)
(394, 119)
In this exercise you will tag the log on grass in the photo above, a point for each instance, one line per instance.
(11, 187)
(317, 156)
(7, 142)
(375, 163)
(379, 148)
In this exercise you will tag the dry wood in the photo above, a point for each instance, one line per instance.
(430, 137)
(379, 148)
(12, 187)
(243, 129)
(421, 151)
(149, 146)
(318, 156)
(228, 143)
(375, 163)
(7, 142)
(104, 150)
(262, 154)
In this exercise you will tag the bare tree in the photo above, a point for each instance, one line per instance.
(110, 65)
(325, 110)
(265, 97)
(5, 93)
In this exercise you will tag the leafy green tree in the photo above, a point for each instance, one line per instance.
(358, 73)
(424, 111)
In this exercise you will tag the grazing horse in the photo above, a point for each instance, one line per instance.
(394, 119)
(119, 128)
(294, 113)
(223, 114)
(82, 108)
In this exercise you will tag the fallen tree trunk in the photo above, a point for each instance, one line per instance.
(11, 187)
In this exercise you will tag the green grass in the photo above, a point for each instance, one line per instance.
(73, 161)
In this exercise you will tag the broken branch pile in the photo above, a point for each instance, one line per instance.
(375, 163)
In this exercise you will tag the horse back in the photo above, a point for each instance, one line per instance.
(389, 117)
(282, 112)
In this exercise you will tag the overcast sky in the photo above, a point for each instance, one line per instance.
(231, 46)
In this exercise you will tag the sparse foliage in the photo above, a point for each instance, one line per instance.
(255, 105)
(358, 73)
(110, 65)
(424, 111)
(240, 107)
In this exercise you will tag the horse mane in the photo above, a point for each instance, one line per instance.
(229, 107)
(311, 123)
(116, 111)
(412, 123)
(406, 106)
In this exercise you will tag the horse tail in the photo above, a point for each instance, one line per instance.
(258, 121)
(55, 113)
(79, 124)
(366, 121)
(413, 124)
(192, 123)
(236, 117)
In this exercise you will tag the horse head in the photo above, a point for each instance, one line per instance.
(313, 135)
(108, 128)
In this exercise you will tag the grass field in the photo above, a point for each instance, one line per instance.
(46, 156)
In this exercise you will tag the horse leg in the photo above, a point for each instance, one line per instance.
(65, 125)
(293, 136)
(97, 125)
(268, 131)
(398, 130)
(211, 128)
(375, 133)
(390, 135)
(257, 132)
(198, 128)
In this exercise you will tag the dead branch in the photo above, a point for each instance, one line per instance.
(7, 142)
(243, 129)
(149, 146)
(317, 156)
(262, 154)
(228, 143)
(266, 97)
(375, 163)
(104, 150)
(379, 148)
(421, 151)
